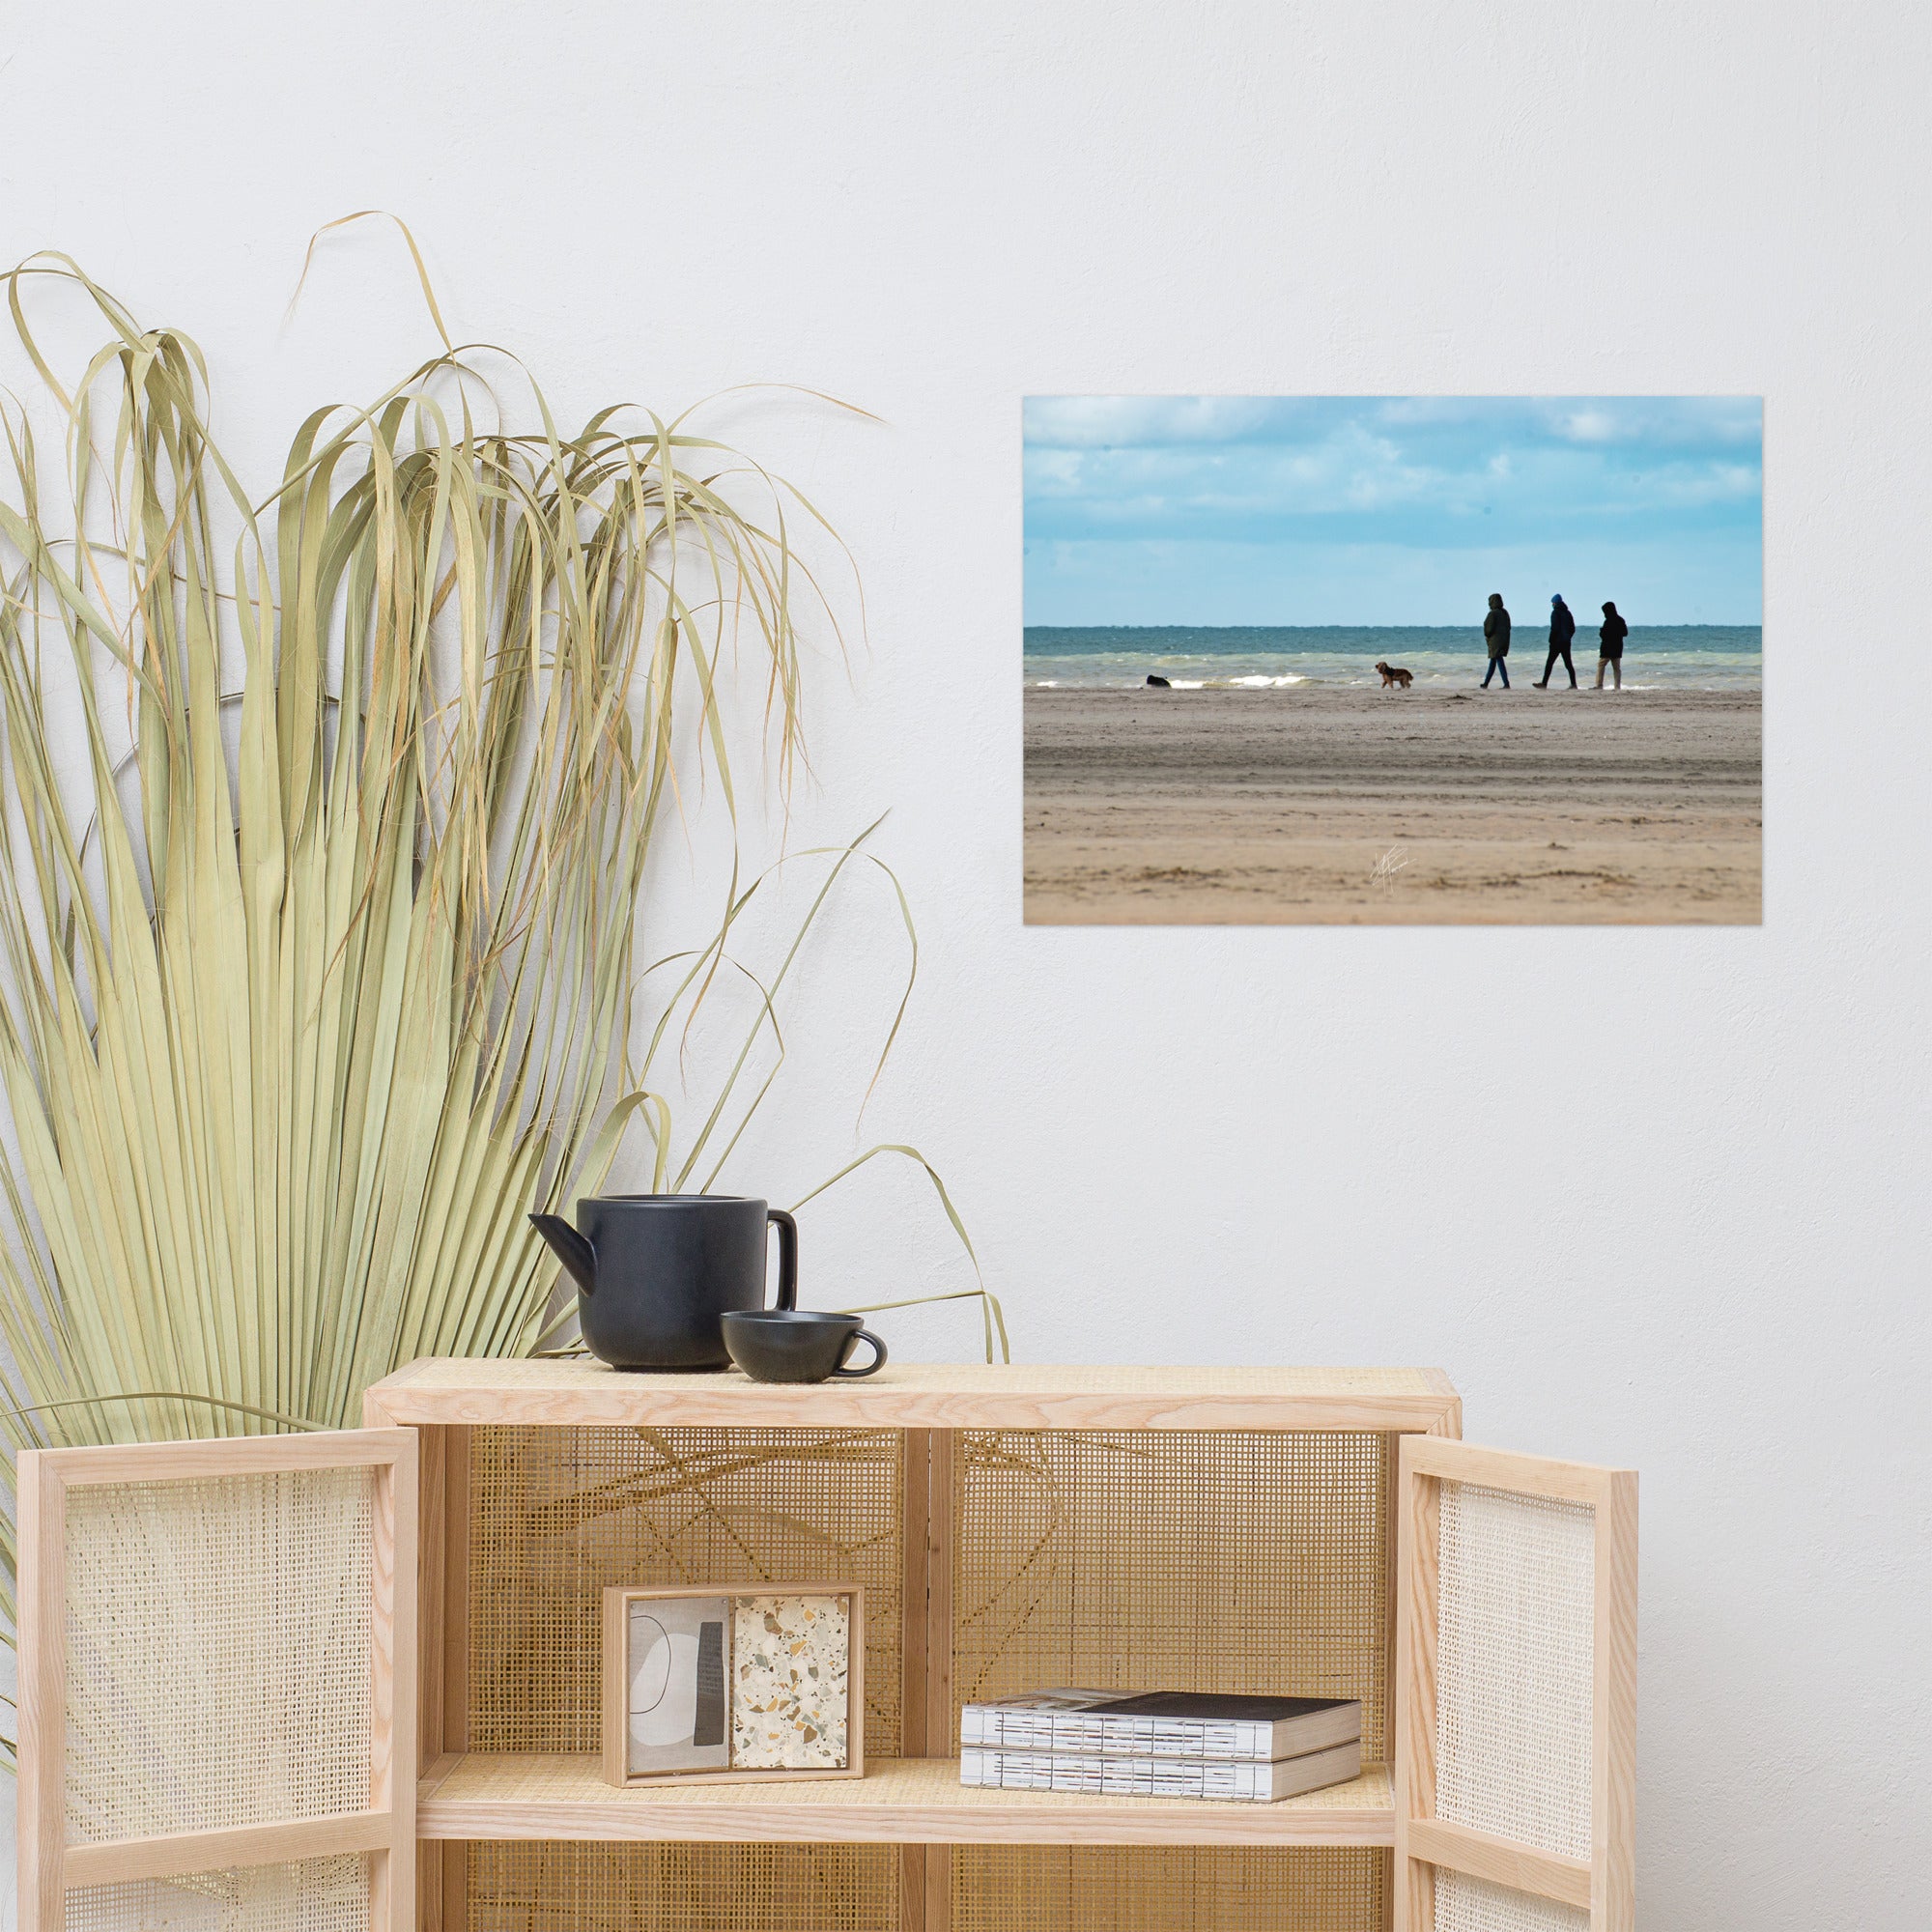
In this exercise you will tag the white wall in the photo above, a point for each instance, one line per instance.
(1650, 1196)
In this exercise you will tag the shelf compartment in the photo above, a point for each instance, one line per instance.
(899, 1802)
(1204, 1561)
(555, 1516)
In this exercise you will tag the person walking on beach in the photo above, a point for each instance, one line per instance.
(1497, 635)
(1610, 654)
(1562, 628)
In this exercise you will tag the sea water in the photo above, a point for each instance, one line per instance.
(1666, 657)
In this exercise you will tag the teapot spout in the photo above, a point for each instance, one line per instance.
(569, 1248)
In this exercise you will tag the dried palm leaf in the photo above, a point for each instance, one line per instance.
(319, 973)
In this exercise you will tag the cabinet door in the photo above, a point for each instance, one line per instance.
(218, 1684)
(1515, 1693)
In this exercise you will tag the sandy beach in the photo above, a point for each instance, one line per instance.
(1274, 806)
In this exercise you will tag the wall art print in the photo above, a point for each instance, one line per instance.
(1324, 660)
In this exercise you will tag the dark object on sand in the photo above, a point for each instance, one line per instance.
(1158, 683)
(1393, 674)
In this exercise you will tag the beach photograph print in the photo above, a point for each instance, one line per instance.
(1322, 660)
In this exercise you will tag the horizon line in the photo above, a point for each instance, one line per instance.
(1366, 624)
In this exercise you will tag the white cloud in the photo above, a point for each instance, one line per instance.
(1419, 471)
(1656, 419)
(1125, 422)
(1589, 426)
(1688, 484)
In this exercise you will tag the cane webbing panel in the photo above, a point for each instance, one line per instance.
(1465, 1904)
(1513, 1667)
(217, 1652)
(558, 1514)
(1239, 1561)
(313, 1895)
(1109, 1888)
(538, 1886)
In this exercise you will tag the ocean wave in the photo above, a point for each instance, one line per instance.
(1721, 657)
(1174, 683)
(1235, 684)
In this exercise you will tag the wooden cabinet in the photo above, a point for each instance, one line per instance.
(1316, 1530)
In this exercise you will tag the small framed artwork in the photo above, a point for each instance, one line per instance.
(754, 1685)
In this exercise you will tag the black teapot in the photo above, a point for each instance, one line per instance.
(655, 1272)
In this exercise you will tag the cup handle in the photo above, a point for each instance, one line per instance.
(788, 1256)
(872, 1367)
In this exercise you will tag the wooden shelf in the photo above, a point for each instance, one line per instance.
(899, 1802)
(533, 1394)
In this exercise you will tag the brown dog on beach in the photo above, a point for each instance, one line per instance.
(1394, 674)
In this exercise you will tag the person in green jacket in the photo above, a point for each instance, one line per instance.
(1497, 635)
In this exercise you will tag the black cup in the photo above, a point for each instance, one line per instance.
(788, 1345)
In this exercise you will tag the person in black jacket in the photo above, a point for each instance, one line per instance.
(1562, 628)
(1497, 635)
(1610, 654)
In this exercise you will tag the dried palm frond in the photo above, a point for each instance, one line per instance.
(316, 968)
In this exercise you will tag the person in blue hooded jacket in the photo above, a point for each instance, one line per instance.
(1562, 628)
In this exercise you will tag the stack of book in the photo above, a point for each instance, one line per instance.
(1164, 1743)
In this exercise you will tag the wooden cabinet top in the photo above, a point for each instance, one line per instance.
(916, 1395)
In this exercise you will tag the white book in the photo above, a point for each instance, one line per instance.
(1163, 1723)
(1230, 1782)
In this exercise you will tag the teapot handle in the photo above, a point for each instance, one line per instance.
(787, 1258)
